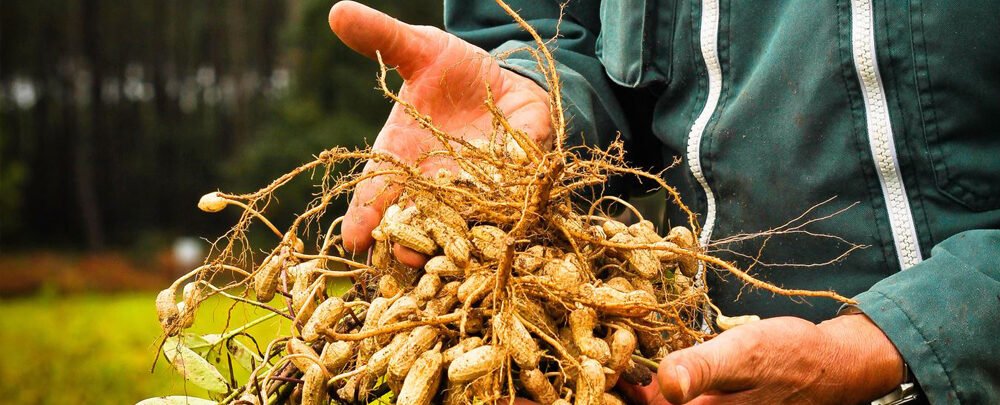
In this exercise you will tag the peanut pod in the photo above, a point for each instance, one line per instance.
(166, 310)
(538, 387)
(463, 346)
(515, 337)
(427, 287)
(475, 363)
(419, 340)
(423, 379)
(634, 304)
(453, 242)
(304, 356)
(401, 309)
(266, 278)
(325, 316)
(590, 383)
(684, 238)
(410, 236)
(443, 266)
(379, 362)
(490, 241)
(314, 386)
(336, 355)
(582, 322)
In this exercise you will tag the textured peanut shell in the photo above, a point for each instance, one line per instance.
(523, 348)
(266, 278)
(166, 310)
(381, 256)
(419, 340)
(612, 227)
(612, 399)
(443, 266)
(472, 284)
(314, 386)
(389, 286)
(538, 387)
(379, 362)
(370, 345)
(469, 343)
(590, 383)
(453, 242)
(623, 343)
(489, 240)
(475, 363)
(336, 355)
(422, 380)
(427, 287)
(325, 316)
(634, 304)
(530, 260)
(399, 310)
(684, 238)
(410, 236)
(433, 208)
(305, 357)
(644, 231)
(582, 322)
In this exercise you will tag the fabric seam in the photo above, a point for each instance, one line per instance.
(847, 70)
(713, 121)
(710, 55)
(917, 200)
(937, 357)
(881, 134)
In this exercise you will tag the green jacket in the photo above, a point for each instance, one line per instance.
(777, 106)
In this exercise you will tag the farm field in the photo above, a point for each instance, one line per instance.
(96, 349)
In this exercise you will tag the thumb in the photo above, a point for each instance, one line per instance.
(367, 30)
(715, 365)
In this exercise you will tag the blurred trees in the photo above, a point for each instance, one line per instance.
(116, 116)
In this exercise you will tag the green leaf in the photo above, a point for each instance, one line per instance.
(200, 344)
(176, 400)
(386, 399)
(193, 367)
(243, 355)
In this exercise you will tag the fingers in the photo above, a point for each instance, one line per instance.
(406, 144)
(364, 213)
(367, 30)
(637, 394)
(723, 364)
(408, 257)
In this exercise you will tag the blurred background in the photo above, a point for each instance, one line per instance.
(115, 117)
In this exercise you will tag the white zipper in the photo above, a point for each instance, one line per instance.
(709, 38)
(904, 232)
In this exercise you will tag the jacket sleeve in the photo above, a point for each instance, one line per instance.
(593, 111)
(943, 315)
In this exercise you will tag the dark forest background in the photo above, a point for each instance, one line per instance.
(116, 116)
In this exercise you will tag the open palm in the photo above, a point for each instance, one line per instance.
(444, 78)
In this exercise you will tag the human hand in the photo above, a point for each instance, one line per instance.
(845, 360)
(444, 78)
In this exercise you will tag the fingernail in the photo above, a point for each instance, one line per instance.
(683, 379)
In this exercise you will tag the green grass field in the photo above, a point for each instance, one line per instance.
(97, 349)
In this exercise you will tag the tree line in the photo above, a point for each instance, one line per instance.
(116, 116)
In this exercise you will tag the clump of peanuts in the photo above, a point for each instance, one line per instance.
(529, 289)
(566, 325)
(557, 311)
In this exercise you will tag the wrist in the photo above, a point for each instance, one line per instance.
(872, 365)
